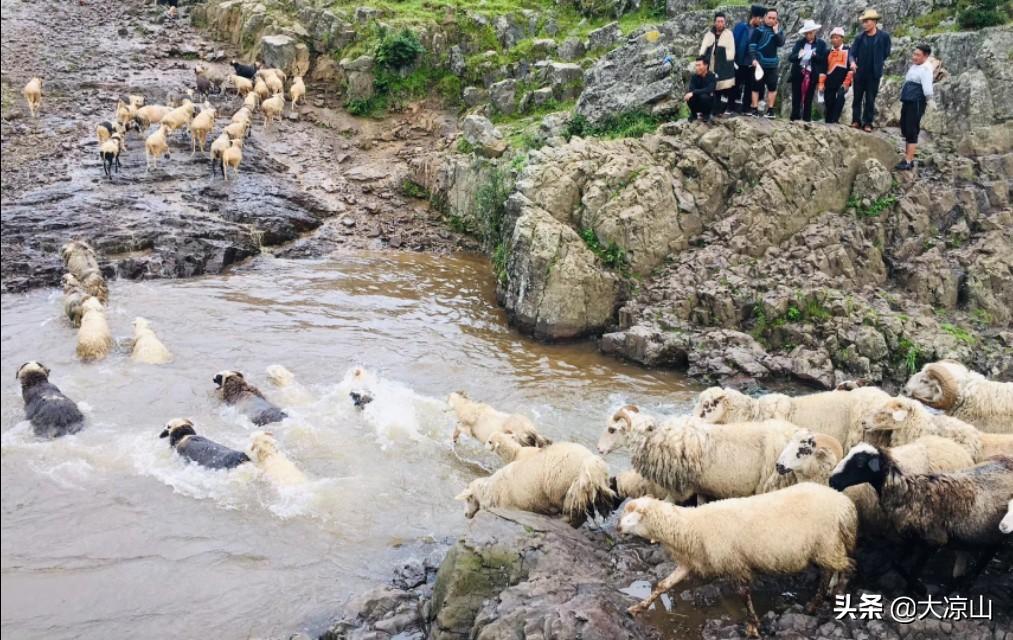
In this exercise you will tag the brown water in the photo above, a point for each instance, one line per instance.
(107, 534)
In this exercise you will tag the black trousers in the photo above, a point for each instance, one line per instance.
(833, 101)
(802, 106)
(863, 109)
(911, 120)
(702, 105)
(724, 100)
(742, 92)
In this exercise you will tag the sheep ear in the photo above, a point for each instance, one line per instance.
(463, 496)
(899, 415)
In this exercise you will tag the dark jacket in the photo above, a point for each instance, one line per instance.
(742, 33)
(818, 60)
(764, 44)
(703, 85)
(870, 52)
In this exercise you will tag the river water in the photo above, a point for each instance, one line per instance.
(108, 534)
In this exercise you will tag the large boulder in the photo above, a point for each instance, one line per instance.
(483, 135)
(286, 53)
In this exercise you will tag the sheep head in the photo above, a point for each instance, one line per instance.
(140, 324)
(31, 369)
(895, 413)
(177, 429)
(263, 445)
(806, 449)
(935, 385)
(74, 247)
(634, 520)
(718, 405)
(619, 426)
(280, 376)
(864, 463)
(222, 378)
(468, 496)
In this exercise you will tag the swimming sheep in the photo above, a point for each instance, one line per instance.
(198, 449)
(148, 349)
(959, 392)
(235, 390)
(480, 421)
(94, 339)
(275, 466)
(51, 413)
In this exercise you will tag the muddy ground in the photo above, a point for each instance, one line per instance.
(319, 181)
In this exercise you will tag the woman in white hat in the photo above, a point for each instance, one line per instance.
(837, 80)
(808, 60)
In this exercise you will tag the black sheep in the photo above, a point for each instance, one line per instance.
(51, 413)
(198, 449)
(247, 71)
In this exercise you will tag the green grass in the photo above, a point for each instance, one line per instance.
(612, 255)
(961, 334)
(413, 189)
(876, 207)
(499, 262)
(632, 124)
(910, 355)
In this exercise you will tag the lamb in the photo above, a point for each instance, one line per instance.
(507, 448)
(242, 85)
(964, 394)
(251, 101)
(235, 390)
(1006, 525)
(563, 478)
(272, 108)
(247, 71)
(292, 390)
(963, 507)
(261, 89)
(149, 115)
(200, 128)
(109, 151)
(902, 420)
(480, 421)
(93, 337)
(148, 349)
(297, 90)
(686, 455)
(51, 413)
(272, 462)
(155, 146)
(232, 156)
(74, 295)
(835, 413)
(33, 95)
(782, 532)
(198, 449)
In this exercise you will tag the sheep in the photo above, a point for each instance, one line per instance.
(242, 85)
(272, 72)
(232, 156)
(235, 390)
(251, 101)
(236, 130)
(149, 115)
(902, 420)
(292, 391)
(243, 116)
(964, 394)
(208, 80)
(198, 449)
(109, 152)
(275, 466)
(155, 146)
(261, 89)
(630, 484)
(297, 90)
(782, 532)
(178, 117)
(79, 258)
(247, 71)
(105, 129)
(148, 349)
(218, 146)
(685, 454)
(563, 478)
(93, 337)
(74, 295)
(33, 95)
(274, 83)
(94, 284)
(51, 413)
(962, 507)
(810, 457)
(200, 128)
(480, 421)
(272, 108)
(835, 413)
(507, 448)
(1006, 524)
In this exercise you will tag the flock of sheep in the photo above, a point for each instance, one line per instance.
(260, 87)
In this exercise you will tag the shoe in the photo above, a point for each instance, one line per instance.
(691, 118)
(771, 114)
(904, 165)
(707, 119)
(867, 128)
(855, 125)
(755, 113)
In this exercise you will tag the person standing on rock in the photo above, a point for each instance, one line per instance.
(808, 62)
(868, 53)
(744, 82)
(914, 96)
(837, 80)
(700, 98)
(763, 46)
(718, 47)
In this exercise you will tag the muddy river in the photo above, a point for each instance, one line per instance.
(108, 534)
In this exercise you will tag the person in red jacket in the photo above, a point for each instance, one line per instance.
(837, 80)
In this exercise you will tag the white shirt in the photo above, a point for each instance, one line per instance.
(922, 74)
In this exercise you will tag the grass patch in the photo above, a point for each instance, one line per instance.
(413, 189)
(632, 124)
(910, 355)
(874, 208)
(961, 334)
(490, 207)
(612, 255)
(499, 262)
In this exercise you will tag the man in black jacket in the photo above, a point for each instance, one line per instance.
(868, 53)
(700, 96)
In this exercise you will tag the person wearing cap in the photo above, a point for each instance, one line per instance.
(763, 48)
(837, 80)
(700, 97)
(914, 96)
(808, 61)
(744, 81)
(718, 47)
(868, 53)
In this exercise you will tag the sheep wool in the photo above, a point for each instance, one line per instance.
(630, 484)
(297, 90)
(74, 295)
(93, 336)
(155, 146)
(903, 420)
(79, 258)
(293, 393)
(964, 394)
(480, 421)
(272, 108)
(33, 95)
(275, 466)
(148, 349)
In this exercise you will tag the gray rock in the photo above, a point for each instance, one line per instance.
(566, 79)
(503, 96)
(286, 53)
(457, 63)
(486, 138)
(604, 37)
(572, 49)
(473, 96)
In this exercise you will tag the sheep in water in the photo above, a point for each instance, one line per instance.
(959, 392)
(480, 421)
(507, 448)
(563, 478)
(198, 449)
(94, 340)
(835, 413)
(79, 258)
(274, 464)
(235, 390)
(903, 420)
(148, 349)
(74, 295)
(782, 532)
(293, 392)
(962, 507)
(685, 454)
(51, 413)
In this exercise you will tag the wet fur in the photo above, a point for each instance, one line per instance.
(234, 390)
(51, 413)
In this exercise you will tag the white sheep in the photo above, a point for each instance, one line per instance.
(810, 457)
(782, 532)
(480, 421)
(33, 95)
(79, 258)
(507, 448)
(148, 349)
(272, 462)
(93, 337)
(178, 117)
(242, 85)
(200, 128)
(630, 484)
(297, 90)
(232, 156)
(272, 108)
(835, 413)
(251, 101)
(902, 420)
(155, 146)
(293, 393)
(563, 478)
(1006, 524)
(261, 89)
(74, 295)
(964, 394)
(150, 114)
(685, 454)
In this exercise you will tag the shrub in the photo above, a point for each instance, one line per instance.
(399, 50)
(978, 14)
(612, 255)
(631, 124)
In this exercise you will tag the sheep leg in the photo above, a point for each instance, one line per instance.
(910, 575)
(966, 581)
(826, 577)
(674, 578)
(753, 622)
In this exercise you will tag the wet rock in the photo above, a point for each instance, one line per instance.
(484, 136)
(503, 96)
(604, 37)
(572, 49)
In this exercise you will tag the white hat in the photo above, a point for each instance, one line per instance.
(838, 31)
(809, 25)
